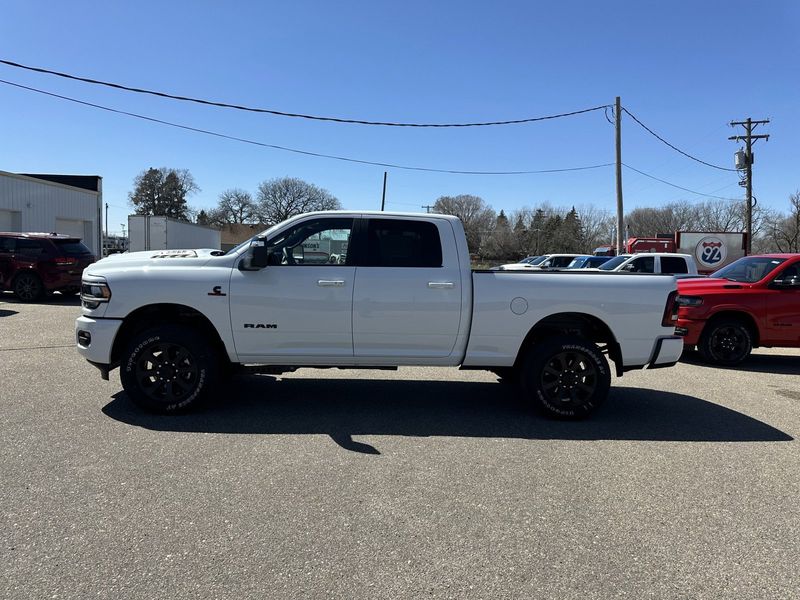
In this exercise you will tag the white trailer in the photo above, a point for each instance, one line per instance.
(147, 232)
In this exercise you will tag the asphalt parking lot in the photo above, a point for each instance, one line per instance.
(411, 484)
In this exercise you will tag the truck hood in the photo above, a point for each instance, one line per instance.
(153, 258)
(688, 287)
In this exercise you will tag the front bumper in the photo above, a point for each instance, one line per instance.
(94, 338)
(689, 330)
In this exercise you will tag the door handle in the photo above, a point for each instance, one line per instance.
(330, 283)
(441, 285)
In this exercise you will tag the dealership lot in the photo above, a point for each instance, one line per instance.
(418, 483)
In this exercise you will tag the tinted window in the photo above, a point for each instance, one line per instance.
(788, 273)
(71, 247)
(673, 264)
(561, 261)
(7, 244)
(30, 247)
(401, 243)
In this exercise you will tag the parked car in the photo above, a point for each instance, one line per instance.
(532, 259)
(752, 302)
(654, 262)
(32, 264)
(587, 262)
(405, 296)
(547, 262)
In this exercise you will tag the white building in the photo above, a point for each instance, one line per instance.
(69, 204)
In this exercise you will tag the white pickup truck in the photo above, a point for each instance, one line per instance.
(358, 289)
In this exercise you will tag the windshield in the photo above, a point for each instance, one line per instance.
(749, 269)
(538, 260)
(610, 265)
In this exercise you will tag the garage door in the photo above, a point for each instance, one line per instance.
(71, 227)
(10, 220)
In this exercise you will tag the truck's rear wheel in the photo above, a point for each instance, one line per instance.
(566, 377)
(169, 369)
(725, 342)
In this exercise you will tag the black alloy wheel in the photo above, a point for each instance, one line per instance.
(569, 379)
(566, 377)
(725, 343)
(28, 287)
(169, 369)
(167, 373)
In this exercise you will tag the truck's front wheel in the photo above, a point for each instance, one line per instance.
(566, 377)
(169, 369)
(726, 342)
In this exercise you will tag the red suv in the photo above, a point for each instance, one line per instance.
(32, 264)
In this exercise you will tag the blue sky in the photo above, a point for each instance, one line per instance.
(684, 68)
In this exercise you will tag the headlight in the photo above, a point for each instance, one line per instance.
(689, 301)
(94, 292)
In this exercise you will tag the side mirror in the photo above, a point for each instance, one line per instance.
(260, 256)
(298, 254)
(256, 258)
(629, 268)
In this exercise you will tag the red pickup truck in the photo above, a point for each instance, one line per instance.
(752, 302)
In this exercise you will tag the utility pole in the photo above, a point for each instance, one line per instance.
(427, 207)
(383, 197)
(618, 127)
(749, 125)
(105, 241)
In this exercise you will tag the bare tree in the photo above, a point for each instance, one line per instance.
(279, 199)
(478, 218)
(675, 216)
(597, 225)
(785, 230)
(235, 206)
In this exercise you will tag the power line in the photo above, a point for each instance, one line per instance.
(295, 150)
(675, 185)
(686, 154)
(289, 114)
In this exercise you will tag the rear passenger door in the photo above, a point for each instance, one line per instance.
(407, 293)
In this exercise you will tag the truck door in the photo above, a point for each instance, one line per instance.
(301, 304)
(407, 298)
(783, 309)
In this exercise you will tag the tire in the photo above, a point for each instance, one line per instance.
(28, 287)
(565, 377)
(169, 369)
(725, 342)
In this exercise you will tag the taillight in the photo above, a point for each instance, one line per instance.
(670, 311)
(64, 261)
